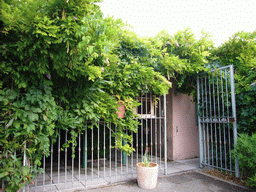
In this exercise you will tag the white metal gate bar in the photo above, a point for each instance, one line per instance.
(217, 118)
(96, 161)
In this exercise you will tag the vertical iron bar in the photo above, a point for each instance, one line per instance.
(199, 122)
(79, 156)
(121, 156)
(59, 158)
(92, 149)
(211, 118)
(137, 139)
(229, 142)
(72, 166)
(223, 114)
(104, 151)
(165, 138)
(141, 128)
(222, 96)
(204, 149)
(219, 119)
(223, 125)
(156, 133)
(146, 123)
(207, 117)
(132, 156)
(215, 119)
(160, 131)
(44, 173)
(225, 145)
(234, 115)
(151, 140)
(110, 158)
(137, 146)
(216, 145)
(115, 154)
(51, 161)
(24, 162)
(98, 148)
(66, 151)
(127, 159)
(86, 150)
(204, 143)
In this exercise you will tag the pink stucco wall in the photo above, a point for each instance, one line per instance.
(182, 136)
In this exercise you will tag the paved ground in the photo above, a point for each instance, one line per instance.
(182, 175)
(189, 181)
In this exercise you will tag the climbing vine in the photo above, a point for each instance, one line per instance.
(240, 50)
(62, 65)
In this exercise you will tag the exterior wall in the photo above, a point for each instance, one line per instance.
(182, 134)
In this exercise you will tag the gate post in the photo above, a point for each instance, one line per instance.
(234, 115)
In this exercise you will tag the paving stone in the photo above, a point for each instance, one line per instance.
(178, 179)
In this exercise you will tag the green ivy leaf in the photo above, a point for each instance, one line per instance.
(10, 122)
(25, 170)
(45, 117)
(3, 174)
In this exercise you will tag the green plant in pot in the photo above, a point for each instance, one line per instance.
(147, 172)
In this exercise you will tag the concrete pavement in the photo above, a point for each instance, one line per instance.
(182, 176)
(189, 181)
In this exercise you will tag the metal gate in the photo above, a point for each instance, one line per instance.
(217, 119)
(96, 161)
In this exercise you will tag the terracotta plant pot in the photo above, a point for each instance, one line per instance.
(147, 176)
(120, 110)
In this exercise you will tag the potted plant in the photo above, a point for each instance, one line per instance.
(147, 173)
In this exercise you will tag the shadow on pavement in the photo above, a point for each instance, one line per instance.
(191, 181)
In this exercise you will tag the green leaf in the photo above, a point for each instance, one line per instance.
(25, 170)
(17, 134)
(17, 124)
(45, 117)
(22, 85)
(3, 174)
(36, 110)
(32, 116)
(10, 123)
(37, 162)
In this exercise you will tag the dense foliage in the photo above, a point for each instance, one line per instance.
(183, 57)
(246, 153)
(246, 111)
(63, 64)
(240, 50)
